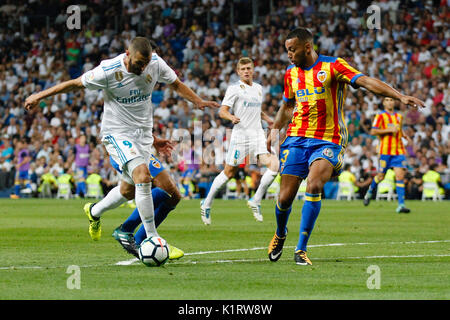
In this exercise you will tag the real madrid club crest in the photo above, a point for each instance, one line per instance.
(327, 152)
(242, 86)
(118, 75)
(148, 78)
(321, 76)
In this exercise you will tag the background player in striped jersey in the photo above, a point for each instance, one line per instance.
(387, 125)
(244, 99)
(314, 93)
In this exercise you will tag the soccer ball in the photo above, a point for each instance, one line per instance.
(154, 252)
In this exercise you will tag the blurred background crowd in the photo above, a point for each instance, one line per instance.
(202, 41)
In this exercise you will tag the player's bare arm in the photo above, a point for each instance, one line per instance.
(266, 118)
(224, 113)
(284, 115)
(185, 92)
(67, 86)
(380, 132)
(381, 88)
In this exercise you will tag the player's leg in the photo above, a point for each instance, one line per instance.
(138, 169)
(186, 182)
(294, 156)
(288, 190)
(165, 198)
(17, 186)
(235, 156)
(81, 188)
(205, 206)
(272, 163)
(166, 201)
(400, 188)
(21, 179)
(325, 160)
(384, 165)
(118, 195)
(320, 172)
(373, 185)
(134, 159)
(165, 195)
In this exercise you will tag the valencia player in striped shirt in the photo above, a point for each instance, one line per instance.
(387, 125)
(315, 88)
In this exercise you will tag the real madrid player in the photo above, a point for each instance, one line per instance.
(165, 196)
(387, 125)
(314, 94)
(127, 82)
(244, 100)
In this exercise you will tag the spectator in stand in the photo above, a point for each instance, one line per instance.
(413, 54)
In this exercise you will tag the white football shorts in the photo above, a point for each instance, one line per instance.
(124, 149)
(242, 146)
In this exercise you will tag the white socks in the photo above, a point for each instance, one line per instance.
(218, 183)
(144, 203)
(112, 200)
(265, 182)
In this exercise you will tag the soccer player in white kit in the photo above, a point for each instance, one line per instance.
(244, 98)
(127, 82)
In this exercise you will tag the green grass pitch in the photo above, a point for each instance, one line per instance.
(40, 239)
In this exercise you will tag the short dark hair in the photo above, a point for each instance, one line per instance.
(302, 34)
(141, 45)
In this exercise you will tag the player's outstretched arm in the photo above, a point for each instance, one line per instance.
(185, 92)
(32, 101)
(381, 88)
(380, 132)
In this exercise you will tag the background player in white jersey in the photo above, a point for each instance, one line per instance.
(127, 82)
(244, 98)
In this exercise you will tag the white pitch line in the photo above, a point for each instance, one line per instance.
(127, 262)
(315, 259)
(132, 261)
(320, 245)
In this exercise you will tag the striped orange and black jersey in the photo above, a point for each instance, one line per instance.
(390, 143)
(319, 92)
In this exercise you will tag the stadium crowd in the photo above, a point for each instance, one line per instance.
(410, 51)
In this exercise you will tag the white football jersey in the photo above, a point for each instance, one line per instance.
(127, 96)
(245, 103)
